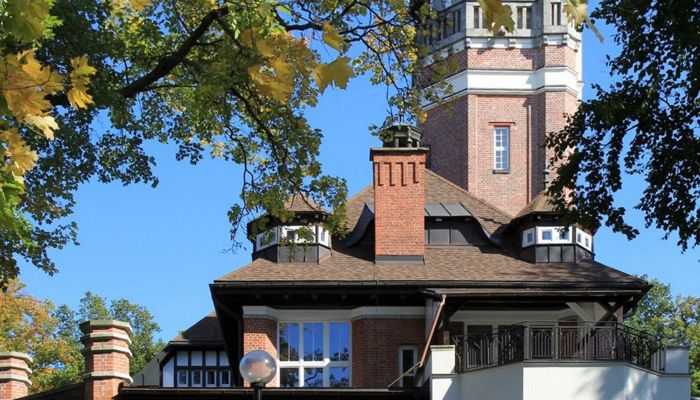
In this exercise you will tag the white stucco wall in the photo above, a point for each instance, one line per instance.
(504, 382)
(537, 380)
(600, 380)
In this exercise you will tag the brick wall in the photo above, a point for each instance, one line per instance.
(14, 375)
(399, 195)
(459, 133)
(260, 334)
(375, 348)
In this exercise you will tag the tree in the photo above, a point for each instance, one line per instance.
(144, 345)
(672, 322)
(30, 325)
(52, 336)
(646, 123)
(223, 78)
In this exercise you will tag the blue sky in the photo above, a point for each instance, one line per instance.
(162, 247)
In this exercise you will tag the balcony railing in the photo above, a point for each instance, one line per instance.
(561, 341)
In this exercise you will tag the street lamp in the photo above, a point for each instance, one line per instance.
(258, 368)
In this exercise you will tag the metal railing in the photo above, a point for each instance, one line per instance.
(562, 341)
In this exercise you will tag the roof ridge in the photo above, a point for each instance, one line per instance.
(479, 199)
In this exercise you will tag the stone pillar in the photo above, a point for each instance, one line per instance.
(14, 375)
(107, 357)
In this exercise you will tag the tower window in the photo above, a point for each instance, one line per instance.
(501, 144)
(479, 19)
(556, 13)
(524, 17)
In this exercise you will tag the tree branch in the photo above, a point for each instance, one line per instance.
(166, 64)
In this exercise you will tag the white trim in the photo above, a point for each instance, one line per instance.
(504, 131)
(333, 315)
(556, 235)
(555, 78)
(525, 241)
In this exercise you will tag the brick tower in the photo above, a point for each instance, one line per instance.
(508, 92)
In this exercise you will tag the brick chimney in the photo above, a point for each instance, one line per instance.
(399, 197)
(107, 357)
(14, 375)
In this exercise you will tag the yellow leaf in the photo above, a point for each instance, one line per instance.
(338, 73)
(576, 12)
(423, 117)
(22, 158)
(79, 79)
(497, 15)
(139, 5)
(276, 87)
(332, 37)
(45, 123)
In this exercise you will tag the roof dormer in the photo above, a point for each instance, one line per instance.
(303, 238)
(542, 236)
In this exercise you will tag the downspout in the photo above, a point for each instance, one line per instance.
(436, 321)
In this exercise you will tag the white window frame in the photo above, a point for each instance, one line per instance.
(522, 19)
(527, 242)
(497, 129)
(326, 363)
(556, 235)
(556, 13)
(582, 238)
(413, 348)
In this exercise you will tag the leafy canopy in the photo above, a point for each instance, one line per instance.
(645, 124)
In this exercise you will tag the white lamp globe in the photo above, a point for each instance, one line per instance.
(258, 367)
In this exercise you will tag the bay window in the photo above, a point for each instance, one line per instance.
(314, 354)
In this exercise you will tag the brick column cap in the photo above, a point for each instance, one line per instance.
(396, 150)
(88, 326)
(15, 354)
(10, 371)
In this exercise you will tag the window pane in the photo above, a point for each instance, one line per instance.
(196, 377)
(289, 377)
(225, 377)
(289, 342)
(340, 341)
(547, 235)
(211, 377)
(340, 377)
(182, 378)
(313, 341)
(313, 377)
(407, 361)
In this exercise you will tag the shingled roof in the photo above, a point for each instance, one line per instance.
(439, 190)
(542, 203)
(206, 332)
(476, 264)
(300, 203)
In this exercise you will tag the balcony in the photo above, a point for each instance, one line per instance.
(557, 341)
(558, 360)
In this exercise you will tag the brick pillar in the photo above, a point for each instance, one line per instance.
(14, 375)
(399, 203)
(260, 334)
(107, 357)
